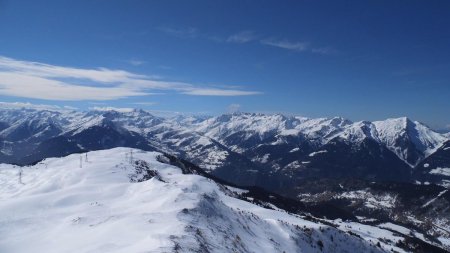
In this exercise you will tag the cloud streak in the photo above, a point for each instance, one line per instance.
(298, 46)
(234, 108)
(286, 44)
(188, 32)
(135, 62)
(20, 105)
(220, 92)
(144, 103)
(242, 37)
(110, 108)
(247, 36)
(49, 82)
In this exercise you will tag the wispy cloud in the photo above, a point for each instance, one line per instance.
(298, 46)
(144, 103)
(187, 32)
(27, 105)
(97, 103)
(110, 108)
(44, 81)
(234, 108)
(165, 67)
(286, 44)
(136, 62)
(246, 36)
(25, 85)
(242, 37)
(220, 92)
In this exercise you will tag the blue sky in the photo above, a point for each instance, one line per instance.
(364, 60)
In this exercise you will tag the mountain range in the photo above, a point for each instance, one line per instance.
(393, 171)
(245, 147)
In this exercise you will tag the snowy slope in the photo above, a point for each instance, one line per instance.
(357, 132)
(411, 141)
(264, 125)
(112, 205)
(23, 125)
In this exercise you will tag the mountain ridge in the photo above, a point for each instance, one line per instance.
(244, 135)
(126, 199)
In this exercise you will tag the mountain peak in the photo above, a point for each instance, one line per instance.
(411, 141)
(400, 122)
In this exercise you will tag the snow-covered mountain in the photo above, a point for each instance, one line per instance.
(447, 135)
(100, 129)
(129, 200)
(245, 148)
(411, 141)
(252, 126)
(436, 167)
(380, 150)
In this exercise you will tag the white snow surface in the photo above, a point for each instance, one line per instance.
(395, 227)
(391, 132)
(317, 152)
(262, 125)
(372, 201)
(441, 171)
(372, 233)
(434, 199)
(58, 206)
(357, 132)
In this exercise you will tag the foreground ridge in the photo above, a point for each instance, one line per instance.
(127, 200)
